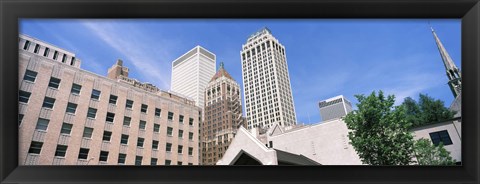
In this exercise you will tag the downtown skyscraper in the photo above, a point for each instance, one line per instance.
(266, 82)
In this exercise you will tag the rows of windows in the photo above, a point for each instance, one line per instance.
(46, 52)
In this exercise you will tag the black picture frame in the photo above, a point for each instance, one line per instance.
(12, 11)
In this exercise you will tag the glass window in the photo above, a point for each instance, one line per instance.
(124, 139)
(180, 118)
(155, 144)
(190, 121)
(138, 160)
(103, 156)
(153, 161)
(42, 124)
(87, 132)
(190, 163)
(95, 94)
(127, 120)
(169, 147)
(71, 108)
(76, 89)
(441, 137)
(190, 135)
(144, 108)
(156, 128)
(92, 113)
(61, 150)
(110, 117)
(179, 163)
(129, 104)
(190, 151)
(64, 58)
(170, 116)
(55, 55)
(48, 102)
(66, 128)
(121, 158)
(83, 154)
(27, 45)
(180, 149)
(140, 142)
(142, 125)
(180, 133)
(24, 96)
(35, 147)
(169, 131)
(168, 162)
(157, 112)
(107, 135)
(113, 99)
(47, 51)
(54, 82)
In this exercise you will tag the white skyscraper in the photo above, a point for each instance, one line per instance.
(191, 73)
(335, 107)
(266, 82)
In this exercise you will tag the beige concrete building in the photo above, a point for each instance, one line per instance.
(223, 116)
(69, 116)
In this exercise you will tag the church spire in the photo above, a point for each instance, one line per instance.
(453, 73)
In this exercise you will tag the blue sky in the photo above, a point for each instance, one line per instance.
(326, 57)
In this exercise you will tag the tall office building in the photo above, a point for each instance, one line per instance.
(191, 73)
(266, 82)
(69, 116)
(335, 107)
(223, 116)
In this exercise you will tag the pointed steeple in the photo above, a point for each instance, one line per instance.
(453, 73)
(221, 72)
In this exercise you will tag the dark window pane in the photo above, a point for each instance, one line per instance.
(30, 76)
(95, 94)
(103, 156)
(35, 147)
(42, 124)
(54, 82)
(83, 154)
(76, 89)
(24, 96)
(48, 102)
(66, 128)
(61, 150)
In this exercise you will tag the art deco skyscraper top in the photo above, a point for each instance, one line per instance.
(266, 82)
(453, 73)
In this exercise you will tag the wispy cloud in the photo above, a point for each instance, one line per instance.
(140, 50)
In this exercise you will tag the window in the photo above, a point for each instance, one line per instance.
(107, 135)
(140, 142)
(113, 99)
(127, 120)
(156, 128)
(124, 139)
(48, 102)
(54, 82)
(121, 158)
(190, 135)
(92, 113)
(190, 163)
(441, 136)
(47, 51)
(157, 112)
(83, 154)
(168, 162)
(61, 150)
(55, 55)
(190, 121)
(169, 147)
(110, 117)
(20, 119)
(180, 119)
(180, 133)
(153, 161)
(30, 76)
(129, 104)
(138, 160)
(42, 124)
(27, 45)
(66, 128)
(144, 108)
(170, 116)
(169, 131)
(142, 125)
(76, 89)
(64, 58)
(180, 149)
(190, 151)
(87, 132)
(179, 163)
(35, 147)
(103, 156)
(95, 94)
(155, 144)
(71, 108)
(24, 96)
(72, 61)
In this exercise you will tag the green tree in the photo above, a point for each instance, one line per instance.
(379, 131)
(427, 110)
(429, 154)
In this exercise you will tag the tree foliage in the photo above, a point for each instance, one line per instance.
(379, 131)
(429, 154)
(427, 110)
